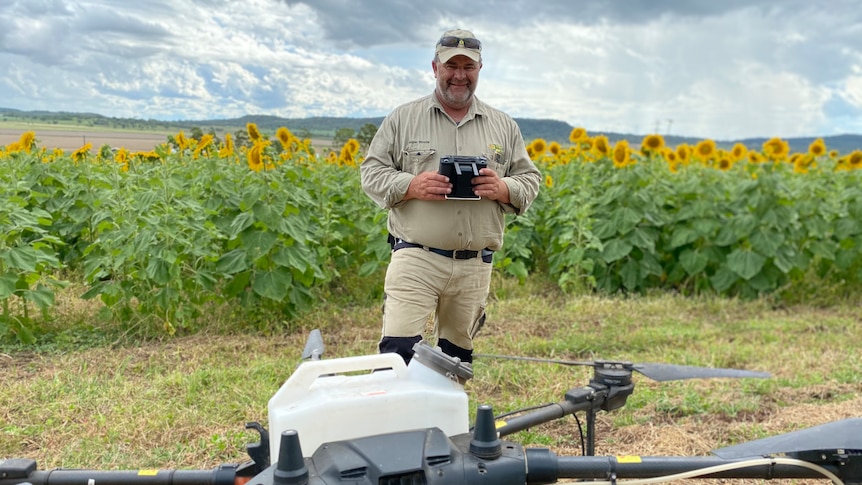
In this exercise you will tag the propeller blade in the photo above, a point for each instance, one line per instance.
(313, 346)
(669, 372)
(845, 434)
(534, 359)
(656, 372)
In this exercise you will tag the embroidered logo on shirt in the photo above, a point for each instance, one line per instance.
(497, 151)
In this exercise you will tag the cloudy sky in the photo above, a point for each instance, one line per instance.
(721, 69)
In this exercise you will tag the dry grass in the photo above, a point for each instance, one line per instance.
(183, 402)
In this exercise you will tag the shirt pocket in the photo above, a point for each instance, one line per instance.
(497, 163)
(418, 161)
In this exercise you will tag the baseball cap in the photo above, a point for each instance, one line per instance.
(458, 42)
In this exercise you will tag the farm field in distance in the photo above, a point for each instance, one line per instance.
(72, 138)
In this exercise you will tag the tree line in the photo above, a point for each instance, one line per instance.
(340, 129)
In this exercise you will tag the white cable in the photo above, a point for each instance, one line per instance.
(729, 466)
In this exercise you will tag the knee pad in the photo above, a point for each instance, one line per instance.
(448, 348)
(402, 346)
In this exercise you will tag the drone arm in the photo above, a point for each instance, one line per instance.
(579, 399)
(19, 471)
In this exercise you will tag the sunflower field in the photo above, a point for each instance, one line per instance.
(266, 226)
(163, 237)
(694, 219)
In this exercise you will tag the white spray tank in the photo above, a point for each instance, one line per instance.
(352, 397)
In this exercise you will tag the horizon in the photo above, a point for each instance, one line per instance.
(590, 131)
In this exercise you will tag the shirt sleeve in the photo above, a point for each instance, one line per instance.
(522, 178)
(380, 173)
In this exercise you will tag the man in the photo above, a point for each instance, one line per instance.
(443, 247)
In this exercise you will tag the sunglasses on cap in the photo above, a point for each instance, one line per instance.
(468, 43)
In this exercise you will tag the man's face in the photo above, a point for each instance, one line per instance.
(456, 80)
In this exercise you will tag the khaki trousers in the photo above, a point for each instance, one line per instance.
(422, 287)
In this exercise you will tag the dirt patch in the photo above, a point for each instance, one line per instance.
(70, 140)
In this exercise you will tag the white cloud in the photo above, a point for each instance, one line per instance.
(852, 91)
(723, 70)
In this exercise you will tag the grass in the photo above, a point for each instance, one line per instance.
(183, 402)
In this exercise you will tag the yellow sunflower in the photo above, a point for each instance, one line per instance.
(601, 146)
(739, 152)
(26, 141)
(352, 146)
(285, 137)
(253, 132)
(121, 156)
(539, 147)
(817, 148)
(203, 145)
(683, 152)
(621, 154)
(804, 163)
(80, 154)
(671, 159)
(577, 135)
(652, 143)
(348, 153)
(755, 158)
(704, 149)
(776, 149)
(182, 141)
(255, 156)
(227, 148)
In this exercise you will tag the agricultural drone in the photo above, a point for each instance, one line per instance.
(427, 455)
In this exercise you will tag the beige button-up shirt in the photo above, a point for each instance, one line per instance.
(413, 138)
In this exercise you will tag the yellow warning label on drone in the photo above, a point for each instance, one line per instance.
(500, 423)
(147, 473)
(628, 459)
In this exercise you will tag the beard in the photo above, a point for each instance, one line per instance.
(457, 98)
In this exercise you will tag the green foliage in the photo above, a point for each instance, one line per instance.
(28, 249)
(341, 137)
(750, 232)
(366, 134)
(161, 243)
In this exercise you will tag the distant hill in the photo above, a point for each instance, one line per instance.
(549, 130)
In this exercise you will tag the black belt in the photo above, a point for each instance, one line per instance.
(486, 254)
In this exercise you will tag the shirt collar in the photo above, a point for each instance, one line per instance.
(477, 107)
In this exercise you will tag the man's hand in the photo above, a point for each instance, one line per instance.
(489, 185)
(428, 186)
